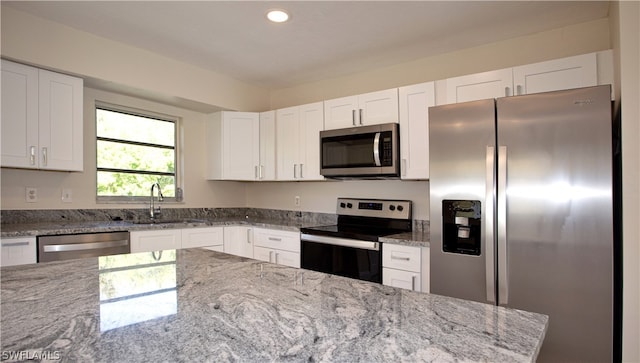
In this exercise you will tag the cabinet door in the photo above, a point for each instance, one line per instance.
(311, 123)
(202, 237)
(19, 115)
(414, 103)
(17, 251)
(402, 279)
(288, 140)
(480, 86)
(267, 167)
(378, 107)
(241, 151)
(238, 240)
(340, 113)
(557, 74)
(156, 240)
(60, 121)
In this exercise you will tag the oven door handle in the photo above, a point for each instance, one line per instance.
(374, 246)
(84, 246)
(376, 149)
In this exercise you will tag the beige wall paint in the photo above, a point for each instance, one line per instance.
(32, 40)
(626, 40)
(321, 196)
(198, 192)
(563, 42)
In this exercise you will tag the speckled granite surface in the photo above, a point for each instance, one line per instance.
(19, 223)
(200, 305)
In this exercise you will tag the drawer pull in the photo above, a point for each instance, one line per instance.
(15, 244)
(275, 239)
(400, 258)
(413, 283)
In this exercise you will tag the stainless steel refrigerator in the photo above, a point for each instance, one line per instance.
(521, 212)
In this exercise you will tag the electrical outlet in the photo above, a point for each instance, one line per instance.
(31, 195)
(297, 200)
(67, 196)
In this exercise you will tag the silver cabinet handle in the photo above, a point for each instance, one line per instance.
(488, 224)
(260, 174)
(276, 258)
(248, 235)
(275, 239)
(270, 253)
(32, 155)
(503, 282)
(400, 258)
(301, 176)
(507, 90)
(376, 149)
(361, 117)
(45, 157)
(413, 283)
(15, 244)
(353, 117)
(295, 171)
(255, 171)
(518, 90)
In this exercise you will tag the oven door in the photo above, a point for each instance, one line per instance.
(360, 151)
(340, 256)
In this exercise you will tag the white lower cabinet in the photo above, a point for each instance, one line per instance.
(238, 240)
(210, 237)
(18, 251)
(156, 240)
(276, 246)
(405, 267)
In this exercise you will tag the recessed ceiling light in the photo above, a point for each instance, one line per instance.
(277, 16)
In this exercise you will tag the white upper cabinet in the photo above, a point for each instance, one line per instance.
(267, 167)
(479, 86)
(414, 102)
(42, 119)
(298, 142)
(557, 74)
(233, 145)
(367, 109)
(554, 75)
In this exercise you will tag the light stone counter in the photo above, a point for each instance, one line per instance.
(199, 305)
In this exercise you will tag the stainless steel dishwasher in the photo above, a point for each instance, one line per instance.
(69, 246)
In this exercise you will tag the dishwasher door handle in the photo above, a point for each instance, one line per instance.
(84, 246)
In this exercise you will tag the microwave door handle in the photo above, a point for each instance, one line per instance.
(376, 149)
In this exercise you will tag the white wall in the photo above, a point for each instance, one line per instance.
(626, 39)
(198, 192)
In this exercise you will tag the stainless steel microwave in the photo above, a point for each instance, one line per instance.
(360, 152)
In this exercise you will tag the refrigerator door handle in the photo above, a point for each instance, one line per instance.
(489, 226)
(503, 278)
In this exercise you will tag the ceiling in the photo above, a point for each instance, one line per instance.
(323, 39)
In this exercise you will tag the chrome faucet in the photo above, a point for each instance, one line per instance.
(153, 210)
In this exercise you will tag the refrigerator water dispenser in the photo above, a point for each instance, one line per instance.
(461, 226)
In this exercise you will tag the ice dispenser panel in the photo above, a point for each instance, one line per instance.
(461, 226)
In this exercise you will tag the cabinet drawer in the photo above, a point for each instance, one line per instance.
(402, 279)
(147, 241)
(401, 257)
(279, 257)
(202, 237)
(18, 251)
(280, 240)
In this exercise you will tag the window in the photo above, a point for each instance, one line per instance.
(134, 150)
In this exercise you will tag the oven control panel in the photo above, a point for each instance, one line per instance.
(380, 208)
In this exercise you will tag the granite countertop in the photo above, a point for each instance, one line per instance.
(416, 238)
(200, 305)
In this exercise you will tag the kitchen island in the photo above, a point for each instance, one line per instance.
(201, 305)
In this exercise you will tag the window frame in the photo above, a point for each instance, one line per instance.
(178, 158)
